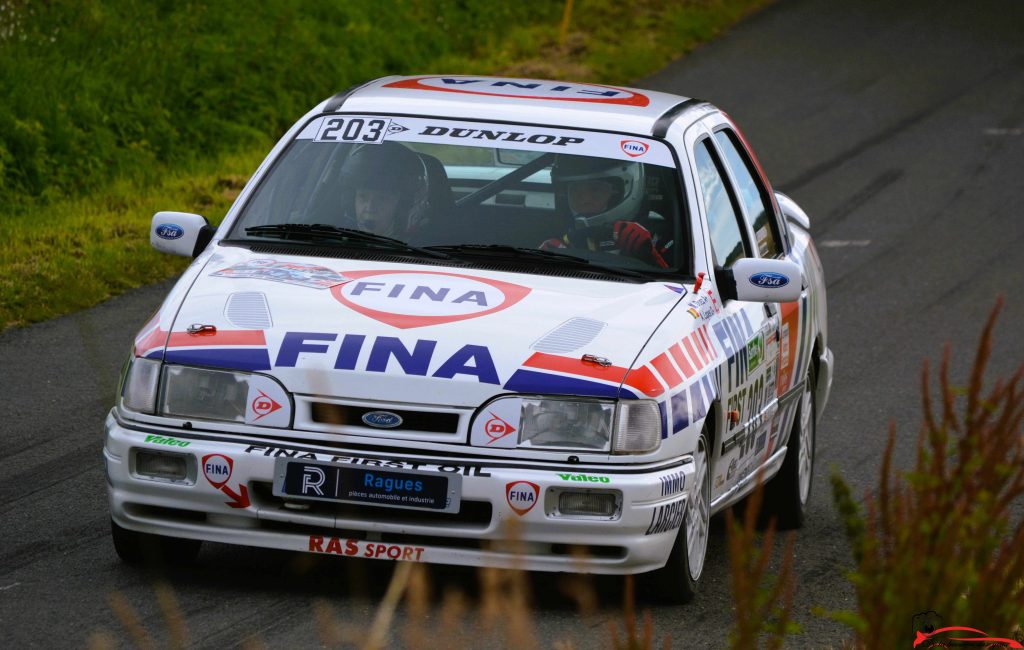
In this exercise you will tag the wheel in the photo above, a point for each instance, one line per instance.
(677, 581)
(143, 548)
(789, 492)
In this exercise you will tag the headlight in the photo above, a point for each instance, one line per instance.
(207, 394)
(200, 393)
(139, 388)
(618, 427)
(637, 427)
(564, 424)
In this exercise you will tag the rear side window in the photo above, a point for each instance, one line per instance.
(723, 216)
(753, 197)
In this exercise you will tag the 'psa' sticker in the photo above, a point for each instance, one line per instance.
(522, 496)
(497, 425)
(525, 89)
(408, 299)
(217, 469)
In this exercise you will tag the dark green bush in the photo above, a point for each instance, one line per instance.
(95, 89)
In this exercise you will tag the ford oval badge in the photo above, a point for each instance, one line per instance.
(769, 280)
(382, 419)
(169, 231)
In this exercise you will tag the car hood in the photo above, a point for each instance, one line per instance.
(411, 332)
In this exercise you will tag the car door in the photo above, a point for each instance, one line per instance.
(748, 332)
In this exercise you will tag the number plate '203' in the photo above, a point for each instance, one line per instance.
(371, 486)
(364, 130)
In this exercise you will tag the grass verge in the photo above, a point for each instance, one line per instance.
(58, 255)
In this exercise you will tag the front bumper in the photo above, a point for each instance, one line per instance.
(243, 510)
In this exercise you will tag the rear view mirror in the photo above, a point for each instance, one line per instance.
(761, 280)
(180, 233)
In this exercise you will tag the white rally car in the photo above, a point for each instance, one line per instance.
(444, 304)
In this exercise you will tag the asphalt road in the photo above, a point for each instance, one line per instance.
(899, 126)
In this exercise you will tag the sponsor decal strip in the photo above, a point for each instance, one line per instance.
(672, 484)
(247, 352)
(575, 366)
(372, 550)
(282, 452)
(525, 89)
(667, 517)
(151, 339)
(226, 358)
(645, 378)
(217, 338)
(640, 378)
(529, 381)
(699, 352)
(522, 137)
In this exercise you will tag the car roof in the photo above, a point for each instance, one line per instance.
(561, 103)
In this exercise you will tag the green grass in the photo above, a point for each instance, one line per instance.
(112, 111)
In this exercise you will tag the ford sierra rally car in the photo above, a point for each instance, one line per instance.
(447, 303)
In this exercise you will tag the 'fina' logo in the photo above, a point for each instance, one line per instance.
(634, 148)
(410, 298)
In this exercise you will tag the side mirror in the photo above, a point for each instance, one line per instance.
(793, 212)
(180, 233)
(760, 280)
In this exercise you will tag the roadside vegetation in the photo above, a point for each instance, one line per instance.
(114, 110)
(941, 544)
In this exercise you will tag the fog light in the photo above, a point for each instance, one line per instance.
(162, 465)
(602, 504)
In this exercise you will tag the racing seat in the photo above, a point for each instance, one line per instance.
(440, 215)
(439, 190)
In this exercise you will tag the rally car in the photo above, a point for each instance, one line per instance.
(447, 303)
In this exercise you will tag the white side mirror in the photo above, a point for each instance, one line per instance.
(179, 233)
(764, 280)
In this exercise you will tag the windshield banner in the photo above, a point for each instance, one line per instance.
(374, 129)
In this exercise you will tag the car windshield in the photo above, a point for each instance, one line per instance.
(472, 189)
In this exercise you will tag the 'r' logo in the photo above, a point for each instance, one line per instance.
(308, 474)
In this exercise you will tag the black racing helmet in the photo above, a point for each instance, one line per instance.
(626, 179)
(388, 166)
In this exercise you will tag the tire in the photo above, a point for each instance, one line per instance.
(677, 581)
(152, 550)
(789, 492)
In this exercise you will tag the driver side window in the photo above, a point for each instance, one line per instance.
(727, 242)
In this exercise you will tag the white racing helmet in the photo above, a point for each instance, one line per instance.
(626, 179)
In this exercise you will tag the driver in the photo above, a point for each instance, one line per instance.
(604, 197)
(385, 191)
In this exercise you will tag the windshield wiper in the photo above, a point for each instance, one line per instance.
(322, 231)
(535, 254)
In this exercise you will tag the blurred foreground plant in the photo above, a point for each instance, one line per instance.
(941, 537)
(762, 602)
